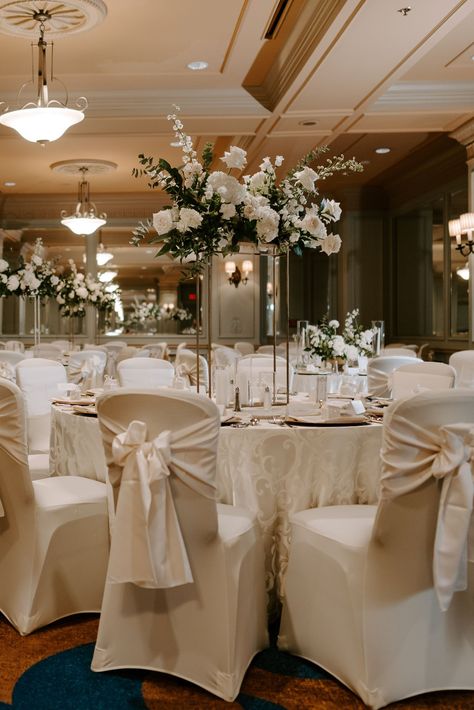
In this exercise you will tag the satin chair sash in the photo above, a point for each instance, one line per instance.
(380, 382)
(448, 455)
(7, 371)
(189, 372)
(85, 372)
(147, 546)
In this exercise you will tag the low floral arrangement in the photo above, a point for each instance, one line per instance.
(325, 342)
(32, 278)
(214, 212)
(356, 335)
(76, 290)
(181, 314)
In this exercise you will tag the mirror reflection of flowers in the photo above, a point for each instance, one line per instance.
(181, 314)
(355, 335)
(75, 291)
(213, 212)
(35, 277)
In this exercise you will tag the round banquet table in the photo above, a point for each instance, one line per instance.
(270, 469)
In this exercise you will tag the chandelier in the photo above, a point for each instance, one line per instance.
(84, 220)
(44, 119)
(103, 257)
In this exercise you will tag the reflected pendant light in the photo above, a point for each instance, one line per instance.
(84, 220)
(43, 120)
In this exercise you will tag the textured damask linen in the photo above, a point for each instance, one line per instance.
(382, 596)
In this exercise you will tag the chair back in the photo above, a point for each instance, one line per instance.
(48, 351)
(15, 345)
(244, 348)
(16, 488)
(38, 380)
(13, 357)
(258, 370)
(379, 370)
(413, 378)
(115, 345)
(159, 350)
(425, 502)
(406, 352)
(463, 363)
(268, 350)
(65, 345)
(189, 424)
(86, 367)
(146, 372)
(186, 366)
(225, 357)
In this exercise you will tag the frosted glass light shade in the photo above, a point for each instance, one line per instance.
(467, 222)
(83, 225)
(247, 266)
(454, 227)
(41, 125)
(229, 267)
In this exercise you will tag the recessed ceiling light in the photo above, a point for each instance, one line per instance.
(382, 151)
(9, 183)
(307, 123)
(144, 268)
(198, 66)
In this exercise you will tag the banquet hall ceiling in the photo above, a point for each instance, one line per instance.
(355, 74)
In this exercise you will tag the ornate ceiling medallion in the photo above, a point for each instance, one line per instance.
(18, 17)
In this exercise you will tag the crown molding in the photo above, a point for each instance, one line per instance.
(428, 95)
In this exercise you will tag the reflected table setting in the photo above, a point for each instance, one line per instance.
(272, 469)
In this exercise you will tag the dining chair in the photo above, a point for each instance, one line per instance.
(406, 352)
(146, 372)
(226, 357)
(185, 591)
(257, 369)
(159, 350)
(38, 379)
(115, 345)
(379, 371)
(13, 357)
(463, 363)
(48, 351)
(54, 536)
(65, 345)
(268, 350)
(413, 378)
(15, 345)
(86, 368)
(186, 367)
(382, 596)
(244, 348)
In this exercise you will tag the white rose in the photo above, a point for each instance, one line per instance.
(80, 277)
(188, 219)
(163, 221)
(54, 280)
(60, 300)
(257, 181)
(312, 224)
(3, 265)
(235, 157)
(13, 283)
(331, 210)
(227, 211)
(3, 278)
(82, 292)
(331, 244)
(306, 178)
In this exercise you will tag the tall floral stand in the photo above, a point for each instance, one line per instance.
(207, 280)
(279, 277)
(37, 320)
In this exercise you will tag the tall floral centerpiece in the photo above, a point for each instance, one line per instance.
(34, 278)
(215, 212)
(358, 337)
(329, 346)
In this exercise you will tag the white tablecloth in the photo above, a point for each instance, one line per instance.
(272, 470)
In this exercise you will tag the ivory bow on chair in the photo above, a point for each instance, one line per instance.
(7, 371)
(447, 454)
(86, 373)
(189, 372)
(147, 544)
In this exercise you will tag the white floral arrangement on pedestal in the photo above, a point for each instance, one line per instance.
(355, 335)
(215, 212)
(325, 342)
(76, 290)
(34, 278)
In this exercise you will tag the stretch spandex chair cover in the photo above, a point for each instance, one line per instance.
(54, 536)
(86, 368)
(185, 585)
(383, 598)
(419, 376)
(186, 366)
(463, 363)
(379, 371)
(146, 372)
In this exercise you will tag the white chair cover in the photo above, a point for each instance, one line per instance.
(244, 348)
(65, 345)
(15, 346)
(383, 597)
(48, 351)
(159, 350)
(7, 370)
(258, 369)
(226, 357)
(186, 366)
(38, 379)
(413, 378)
(53, 533)
(204, 616)
(379, 370)
(12, 356)
(86, 368)
(116, 345)
(405, 352)
(145, 372)
(463, 363)
(268, 350)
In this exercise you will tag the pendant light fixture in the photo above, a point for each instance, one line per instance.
(43, 118)
(103, 257)
(84, 220)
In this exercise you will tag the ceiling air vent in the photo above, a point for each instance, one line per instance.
(277, 19)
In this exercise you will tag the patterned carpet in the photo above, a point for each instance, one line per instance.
(50, 670)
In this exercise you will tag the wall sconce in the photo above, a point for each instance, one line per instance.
(458, 227)
(234, 274)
